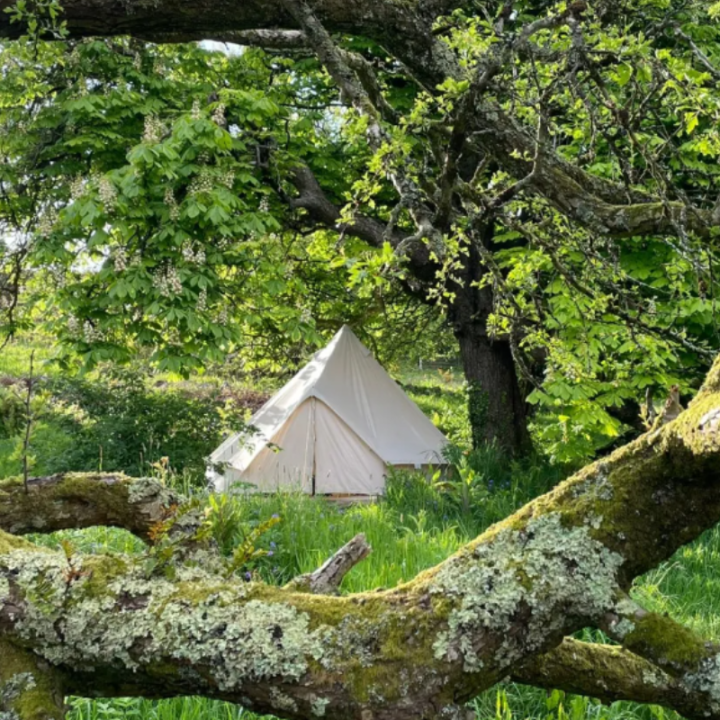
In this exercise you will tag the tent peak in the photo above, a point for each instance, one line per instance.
(346, 335)
(345, 330)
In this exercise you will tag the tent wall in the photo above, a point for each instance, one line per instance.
(344, 464)
(290, 464)
(372, 404)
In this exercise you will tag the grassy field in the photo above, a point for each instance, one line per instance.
(84, 423)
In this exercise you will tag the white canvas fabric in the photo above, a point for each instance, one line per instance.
(269, 470)
(340, 420)
(343, 462)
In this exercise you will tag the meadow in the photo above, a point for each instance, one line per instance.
(130, 422)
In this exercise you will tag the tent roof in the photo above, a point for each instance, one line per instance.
(347, 378)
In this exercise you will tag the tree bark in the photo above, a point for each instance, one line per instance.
(496, 404)
(80, 500)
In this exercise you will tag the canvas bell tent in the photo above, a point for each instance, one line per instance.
(332, 429)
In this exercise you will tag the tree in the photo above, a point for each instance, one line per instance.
(180, 620)
(545, 175)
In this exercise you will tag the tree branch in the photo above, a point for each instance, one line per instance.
(610, 673)
(78, 500)
(335, 62)
(405, 29)
(606, 672)
(312, 198)
(326, 579)
(268, 39)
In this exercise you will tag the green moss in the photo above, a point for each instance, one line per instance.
(27, 691)
(666, 642)
(8, 543)
(377, 683)
(100, 572)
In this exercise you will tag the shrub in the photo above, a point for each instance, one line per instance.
(12, 411)
(118, 423)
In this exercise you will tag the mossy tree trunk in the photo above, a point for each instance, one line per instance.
(496, 403)
(502, 605)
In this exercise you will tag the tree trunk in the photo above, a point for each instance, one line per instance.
(496, 407)
(496, 404)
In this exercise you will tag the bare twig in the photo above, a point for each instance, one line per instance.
(327, 578)
(28, 422)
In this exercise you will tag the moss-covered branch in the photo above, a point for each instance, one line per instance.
(672, 647)
(610, 673)
(79, 500)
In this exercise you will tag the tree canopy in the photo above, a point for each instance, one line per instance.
(544, 176)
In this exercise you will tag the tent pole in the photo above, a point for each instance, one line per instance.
(314, 442)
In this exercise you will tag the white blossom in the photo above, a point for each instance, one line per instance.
(91, 333)
(191, 255)
(120, 260)
(200, 183)
(47, 221)
(218, 116)
(107, 193)
(202, 301)
(153, 129)
(77, 188)
(167, 281)
(172, 205)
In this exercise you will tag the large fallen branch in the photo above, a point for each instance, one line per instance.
(111, 625)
